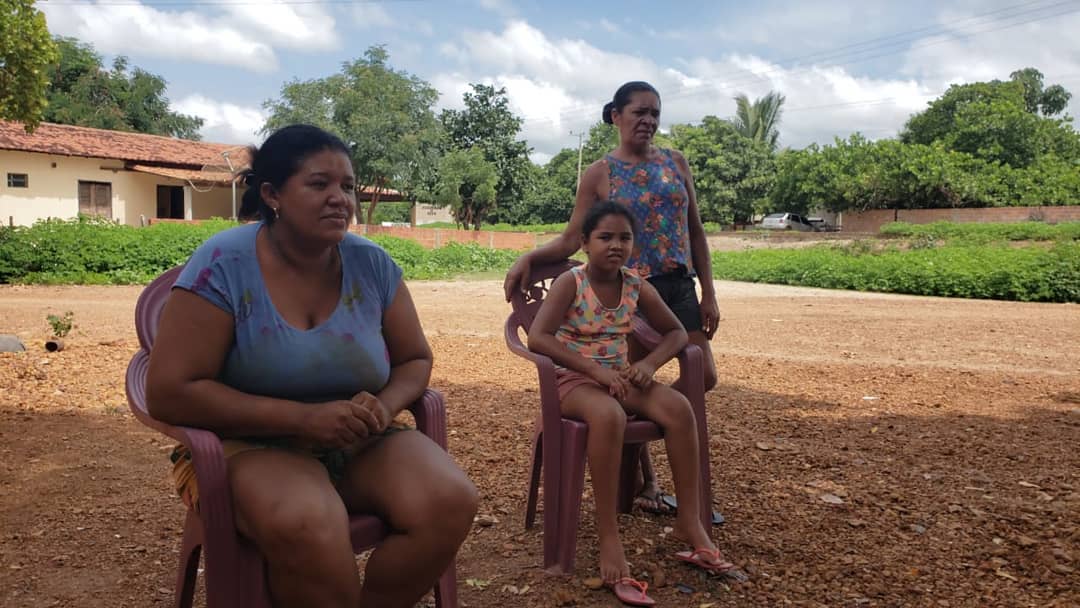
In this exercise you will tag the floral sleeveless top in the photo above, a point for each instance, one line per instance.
(656, 194)
(596, 331)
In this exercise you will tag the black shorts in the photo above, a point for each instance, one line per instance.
(677, 290)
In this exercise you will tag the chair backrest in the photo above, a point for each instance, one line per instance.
(150, 304)
(526, 304)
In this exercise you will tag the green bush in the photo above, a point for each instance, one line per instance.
(1002, 272)
(985, 233)
(99, 252)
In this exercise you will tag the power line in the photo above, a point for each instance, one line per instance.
(578, 111)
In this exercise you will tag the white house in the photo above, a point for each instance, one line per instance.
(61, 171)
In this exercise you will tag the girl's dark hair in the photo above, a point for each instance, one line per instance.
(622, 97)
(603, 209)
(278, 159)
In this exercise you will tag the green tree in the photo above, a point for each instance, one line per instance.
(488, 124)
(1008, 122)
(26, 51)
(384, 115)
(759, 120)
(1049, 100)
(83, 93)
(468, 184)
(732, 173)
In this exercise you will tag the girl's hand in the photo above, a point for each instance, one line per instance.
(640, 374)
(618, 386)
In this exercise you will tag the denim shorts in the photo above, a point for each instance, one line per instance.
(678, 291)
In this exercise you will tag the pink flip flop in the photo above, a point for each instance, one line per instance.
(695, 558)
(631, 592)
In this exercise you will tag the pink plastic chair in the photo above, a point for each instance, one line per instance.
(235, 571)
(559, 443)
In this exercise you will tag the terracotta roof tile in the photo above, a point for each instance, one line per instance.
(217, 177)
(67, 140)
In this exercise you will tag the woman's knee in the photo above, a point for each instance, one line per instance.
(710, 378)
(297, 526)
(444, 503)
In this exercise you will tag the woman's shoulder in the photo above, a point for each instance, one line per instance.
(235, 241)
(359, 247)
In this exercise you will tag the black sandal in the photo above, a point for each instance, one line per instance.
(673, 506)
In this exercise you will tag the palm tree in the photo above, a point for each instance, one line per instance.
(759, 120)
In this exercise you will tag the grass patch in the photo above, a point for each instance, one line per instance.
(985, 233)
(992, 271)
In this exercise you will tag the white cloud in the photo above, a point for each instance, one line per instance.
(558, 85)
(295, 26)
(224, 122)
(242, 35)
(371, 15)
(137, 29)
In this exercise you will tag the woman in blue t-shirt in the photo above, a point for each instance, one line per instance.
(297, 342)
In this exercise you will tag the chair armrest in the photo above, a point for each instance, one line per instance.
(691, 365)
(545, 368)
(207, 457)
(429, 411)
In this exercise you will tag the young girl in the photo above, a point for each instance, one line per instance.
(583, 326)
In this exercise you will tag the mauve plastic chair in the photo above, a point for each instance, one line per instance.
(559, 443)
(235, 570)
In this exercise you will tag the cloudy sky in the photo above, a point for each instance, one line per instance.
(844, 65)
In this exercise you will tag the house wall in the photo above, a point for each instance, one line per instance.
(425, 213)
(54, 189)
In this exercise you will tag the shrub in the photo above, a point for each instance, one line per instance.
(1001, 272)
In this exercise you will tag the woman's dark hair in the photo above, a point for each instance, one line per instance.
(278, 159)
(603, 209)
(622, 97)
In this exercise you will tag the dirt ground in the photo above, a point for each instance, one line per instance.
(867, 450)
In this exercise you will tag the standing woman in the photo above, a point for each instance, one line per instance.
(670, 249)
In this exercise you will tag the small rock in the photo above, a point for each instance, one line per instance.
(856, 523)
(593, 583)
(10, 344)
(917, 529)
(761, 445)
(486, 521)
(1026, 541)
(831, 499)
(1063, 569)
(687, 589)
(1061, 554)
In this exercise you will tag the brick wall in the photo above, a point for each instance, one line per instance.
(873, 220)
(437, 237)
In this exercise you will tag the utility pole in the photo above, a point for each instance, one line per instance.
(580, 141)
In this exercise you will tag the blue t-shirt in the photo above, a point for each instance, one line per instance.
(343, 356)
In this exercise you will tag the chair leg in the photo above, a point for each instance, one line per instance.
(628, 472)
(534, 482)
(446, 588)
(190, 551)
(573, 484)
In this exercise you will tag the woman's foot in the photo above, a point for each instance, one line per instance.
(613, 564)
(650, 500)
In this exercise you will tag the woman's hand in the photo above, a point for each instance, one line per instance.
(335, 424)
(640, 374)
(517, 276)
(372, 412)
(710, 315)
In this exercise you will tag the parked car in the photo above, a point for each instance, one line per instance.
(786, 221)
(820, 225)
